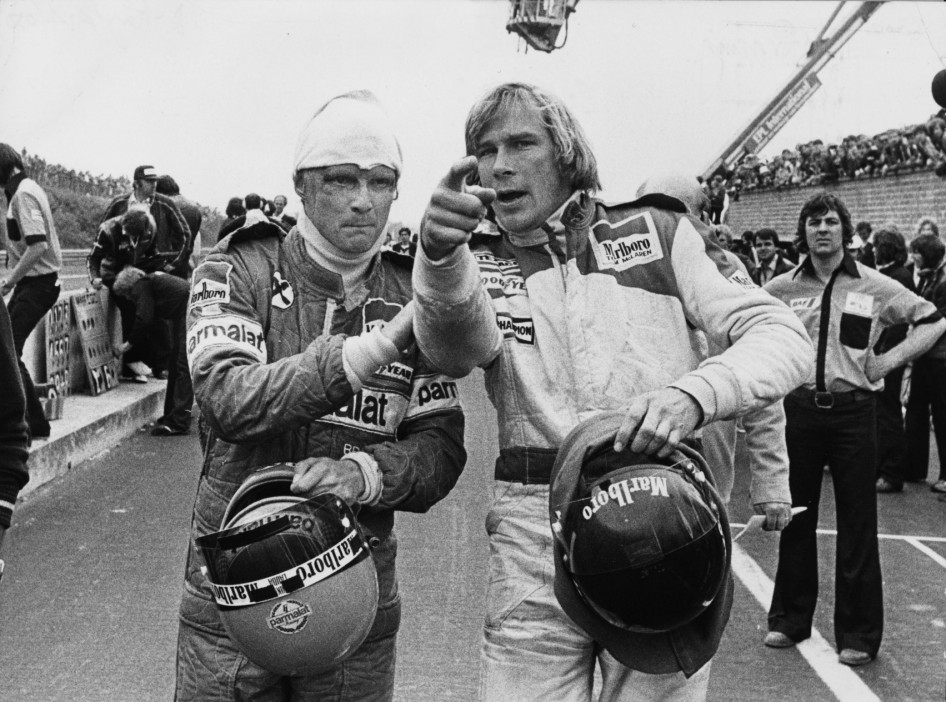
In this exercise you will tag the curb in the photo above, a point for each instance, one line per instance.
(89, 426)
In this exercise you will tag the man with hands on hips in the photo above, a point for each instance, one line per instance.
(573, 307)
(301, 351)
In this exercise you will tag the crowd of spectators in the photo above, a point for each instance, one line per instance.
(915, 147)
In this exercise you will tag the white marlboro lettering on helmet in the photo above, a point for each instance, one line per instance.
(742, 280)
(519, 328)
(211, 285)
(627, 251)
(323, 566)
(370, 410)
(236, 333)
(622, 492)
(433, 394)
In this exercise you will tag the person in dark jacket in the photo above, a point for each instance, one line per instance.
(889, 255)
(771, 261)
(928, 381)
(313, 374)
(128, 240)
(173, 241)
(14, 436)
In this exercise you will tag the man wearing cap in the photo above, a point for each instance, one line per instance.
(173, 244)
(574, 307)
(301, 350)
(34, 260)
(173, 237)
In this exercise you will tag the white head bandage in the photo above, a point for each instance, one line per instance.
(350, 128)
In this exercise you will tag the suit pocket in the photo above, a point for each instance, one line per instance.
(855, 331)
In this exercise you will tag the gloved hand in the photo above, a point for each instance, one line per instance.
(315, 476)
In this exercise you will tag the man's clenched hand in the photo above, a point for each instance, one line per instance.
(453, 212)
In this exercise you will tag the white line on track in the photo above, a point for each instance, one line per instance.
(923, 548)
(893, 537)
(823, 659)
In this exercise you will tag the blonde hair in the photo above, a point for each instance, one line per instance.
(575, 158)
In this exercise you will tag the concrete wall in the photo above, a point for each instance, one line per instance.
(901, 199)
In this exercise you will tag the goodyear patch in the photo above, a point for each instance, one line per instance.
(211, 286)
(500, 276)
(396, 371)
(628, 251)
(231, 331)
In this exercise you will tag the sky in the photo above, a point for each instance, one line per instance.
(215, 92)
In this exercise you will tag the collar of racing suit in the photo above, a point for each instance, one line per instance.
(552, 232)
(353, 268)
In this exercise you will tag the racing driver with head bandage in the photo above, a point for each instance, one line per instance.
(301, 351)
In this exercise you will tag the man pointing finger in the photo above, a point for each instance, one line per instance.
(574, 307)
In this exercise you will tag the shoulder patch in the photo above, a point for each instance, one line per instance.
(211, 286)
(283, 294)
(640, 245)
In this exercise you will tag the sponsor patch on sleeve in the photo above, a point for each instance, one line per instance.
(742, 280)
(370, 409)
(211, 285)
(433, 393)
(36, 215)
(234, 333)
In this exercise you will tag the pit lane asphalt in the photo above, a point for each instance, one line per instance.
(89, 602)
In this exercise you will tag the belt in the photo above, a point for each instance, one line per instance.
(829, 400)
(526, 465)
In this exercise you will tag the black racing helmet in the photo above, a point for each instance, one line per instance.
(644, 541)
(293, 578)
